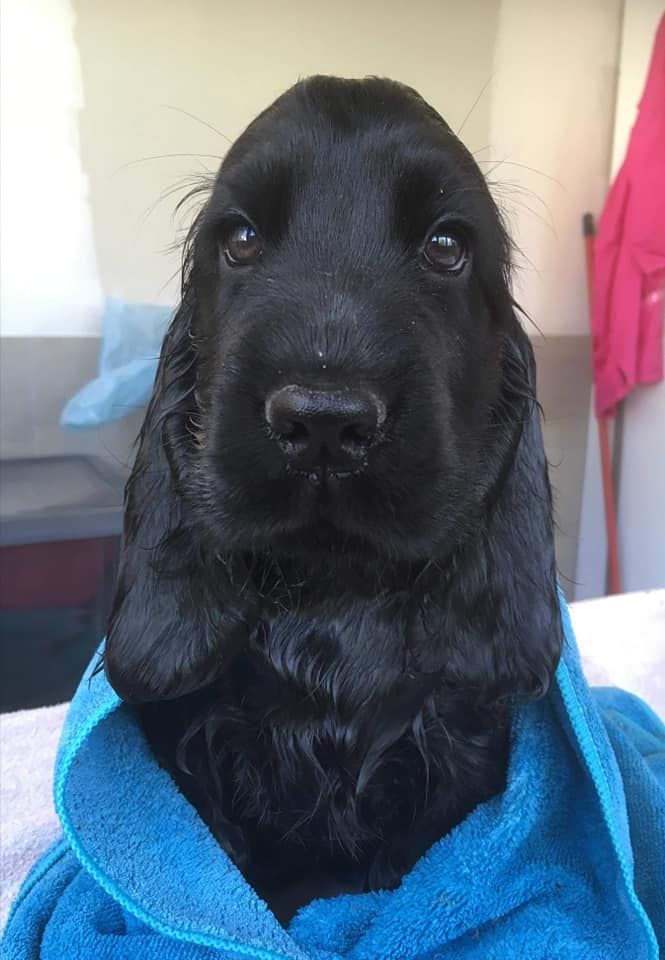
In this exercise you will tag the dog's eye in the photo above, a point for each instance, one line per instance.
(242, 245)
(445, 250)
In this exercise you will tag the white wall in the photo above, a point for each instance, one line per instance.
(49, 282)
(641, 483)
(641, 506)
(640, 22)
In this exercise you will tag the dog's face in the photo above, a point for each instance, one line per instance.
(351, 328)
(345, 399)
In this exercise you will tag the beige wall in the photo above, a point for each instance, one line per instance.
(549, 72)
(552, 112)
(543, 74)
(224, 61)
(552, 105)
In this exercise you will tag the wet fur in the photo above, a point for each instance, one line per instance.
(328, 669)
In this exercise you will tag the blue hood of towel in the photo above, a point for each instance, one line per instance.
(568, 862)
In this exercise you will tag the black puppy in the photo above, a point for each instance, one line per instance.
(338, 572)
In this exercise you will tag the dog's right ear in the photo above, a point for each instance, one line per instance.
(167, 617)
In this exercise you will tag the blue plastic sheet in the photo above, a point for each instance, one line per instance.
(132, 337)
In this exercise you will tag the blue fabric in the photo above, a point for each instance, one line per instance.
(569, 862)
(132, 337)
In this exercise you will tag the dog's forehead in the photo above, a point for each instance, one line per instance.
(353, 152)
(333, 109)
(330, 131)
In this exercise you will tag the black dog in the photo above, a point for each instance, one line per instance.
(338, 572)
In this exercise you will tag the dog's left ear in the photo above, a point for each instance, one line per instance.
(502, 608)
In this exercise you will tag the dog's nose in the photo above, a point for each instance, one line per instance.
(334, 427)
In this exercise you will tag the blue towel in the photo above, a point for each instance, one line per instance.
(568, 862)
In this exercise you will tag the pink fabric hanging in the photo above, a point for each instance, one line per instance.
(629, 257)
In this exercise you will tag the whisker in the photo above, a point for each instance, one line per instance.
(167, 156)
(474, 104)
(523, 166)
(192, 116)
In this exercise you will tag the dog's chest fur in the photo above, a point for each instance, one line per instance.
(330, 747)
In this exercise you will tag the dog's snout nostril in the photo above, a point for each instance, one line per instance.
(356, 436)
(335, 427)
(295, 434)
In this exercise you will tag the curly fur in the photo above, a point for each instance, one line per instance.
(328, 669)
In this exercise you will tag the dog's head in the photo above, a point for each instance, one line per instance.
(345, 377)
(351, 320)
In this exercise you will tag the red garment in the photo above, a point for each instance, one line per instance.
(629, 255)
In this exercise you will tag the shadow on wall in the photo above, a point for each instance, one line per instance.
(564, 392)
